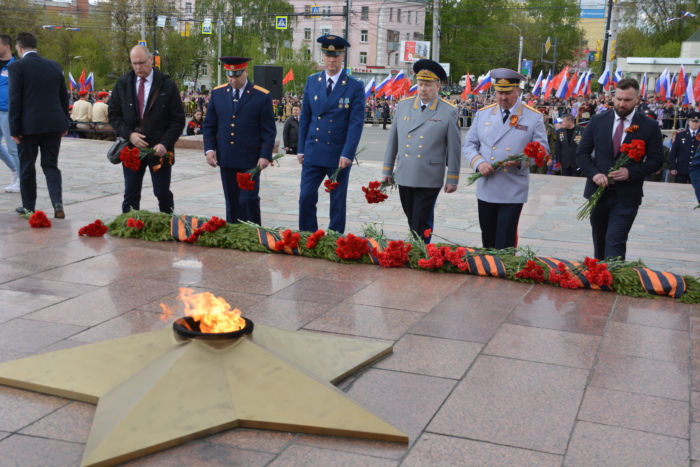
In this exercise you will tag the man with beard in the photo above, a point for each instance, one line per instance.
(616, 210)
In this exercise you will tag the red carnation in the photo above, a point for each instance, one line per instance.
(532, 270)
(39, 220)
(351, 247)
(96, 229)
(130, 158)
(314, 238)
(245, 181)
(395, 255)
(134, 223)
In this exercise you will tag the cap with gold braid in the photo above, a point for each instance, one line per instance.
(235, 66)
(332, 45)
(429, 70)
(505, 80)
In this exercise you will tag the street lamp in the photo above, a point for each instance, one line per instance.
(70, 66)
(520, 50)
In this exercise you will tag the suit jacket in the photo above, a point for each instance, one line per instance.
(291, 133)
(330, 127)
(164, 122)
(598, 136)
(242, 137)
(682, 151)
(490, 140)
(565, 149)
(38, 96)
(422, 143)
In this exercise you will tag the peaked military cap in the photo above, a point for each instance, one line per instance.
(429, 70)
(694, 116)
(332, 45)
(504, 79)
(235, 66)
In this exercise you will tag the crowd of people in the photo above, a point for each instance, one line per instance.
(323, 126)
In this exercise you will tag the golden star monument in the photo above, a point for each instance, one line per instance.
(158, 389)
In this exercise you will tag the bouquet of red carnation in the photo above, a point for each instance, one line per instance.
(245, 179)
(533, 150)
(375, 192)
(134, 223)
(635, 150)
(96, 229)
(314, 238)
(437, 257)
(597, 273)
(132, 158)
(563, 277)
(38, 220)
(212, 225)
(351, 247)
(395, 255)
(533, 271)
(332, 182)
(288, 239)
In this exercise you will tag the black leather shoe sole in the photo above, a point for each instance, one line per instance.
(58, 213)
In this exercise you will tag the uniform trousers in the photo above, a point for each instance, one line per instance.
(571, 172)
(419, 206)
(682, 178)
(29, 146)
(133, 182)
(499, 224)
(611, 222)
(695, 176)
(311, 178)
(241, 205)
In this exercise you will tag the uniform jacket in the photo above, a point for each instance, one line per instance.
(598, 136)
(99, 112)
(164, 122)
(330, 127)
(242, 137)
(682, 151)
(490, 140)
(38, 96)
(422, 144)
(565, 149)
(291, 133)
(82, 111)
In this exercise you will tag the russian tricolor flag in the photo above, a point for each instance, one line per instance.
(89, 82)
(643, 86)
(688, 95)
(381, 87)
(73, 83)
(413, 90)
(484, 85)
(604, 78)
(369, 89)
(537, 89)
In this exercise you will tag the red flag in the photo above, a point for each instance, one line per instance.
(696, 88)
(556, 81)
(681, 83)
(572, 84)
(81, 81)
(467, 88)
(289, 77)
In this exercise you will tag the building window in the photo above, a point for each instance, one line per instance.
(204, 71)
(188, 8)
(396, 59)
(408, 17)
(391, 14)
(398, 15)
(345, 10)
(344, 31)
(408, 36)
(365, 13)
(417, 16)
(308, 54)
(326, 11)
(325, 31)
(417, 36)
(363, 58)
(307, 34)
(363, 35)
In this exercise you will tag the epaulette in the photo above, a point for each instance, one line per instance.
(488, 106)
(221, 86)
(531, 108)
(447, 102)
(407, 98)
(261, 89)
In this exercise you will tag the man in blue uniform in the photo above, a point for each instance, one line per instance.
(239, 134)
(684, 148)
(330, 127)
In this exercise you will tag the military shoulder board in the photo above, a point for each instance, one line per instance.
(261, 89)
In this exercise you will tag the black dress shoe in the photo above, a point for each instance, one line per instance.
(58, 211)
(21, 209)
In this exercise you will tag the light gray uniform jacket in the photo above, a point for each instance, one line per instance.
(422, 144)
(490, 140)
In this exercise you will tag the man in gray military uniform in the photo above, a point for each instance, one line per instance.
(498, 131)
(424, 139)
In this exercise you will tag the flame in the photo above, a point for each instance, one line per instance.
(213, 314)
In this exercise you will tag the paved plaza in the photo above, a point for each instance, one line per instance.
(484, 371)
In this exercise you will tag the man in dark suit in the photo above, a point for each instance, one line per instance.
(145, 108)
(684, 148)
(239, 134)
(569, 135)
(385, 113)
(330, 127)
(38, 119)
(290, 135)
(614, 214)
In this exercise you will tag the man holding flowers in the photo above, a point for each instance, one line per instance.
(499, 132)
(612, 135)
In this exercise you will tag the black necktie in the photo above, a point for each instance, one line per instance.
(329, 88)
(422, 107)
(505, 115)
(235, 99)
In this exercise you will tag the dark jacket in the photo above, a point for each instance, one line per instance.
(598, 136)
(38, 96)
(565, 150)
(682, 152)
(166, 118)
(290, 133)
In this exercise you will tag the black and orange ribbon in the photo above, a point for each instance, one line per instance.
(268, 240)
(661, 283)
(181, 228)
(553, 263)
(486, 265)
